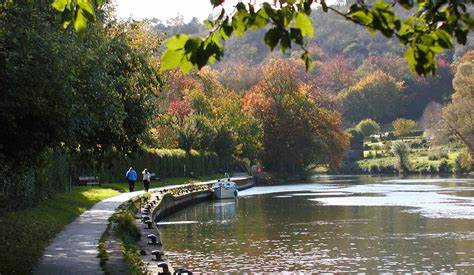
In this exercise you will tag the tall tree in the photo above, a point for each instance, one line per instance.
(376, 96)
(297, 131)
(458, 116)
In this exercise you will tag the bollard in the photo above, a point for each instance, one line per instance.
(153, 238)
(149, 224)
(157, 255)
(182, 271)
(165, 268)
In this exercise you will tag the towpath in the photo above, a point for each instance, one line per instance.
(74, 249)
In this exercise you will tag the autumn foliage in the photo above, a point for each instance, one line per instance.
(297, 131)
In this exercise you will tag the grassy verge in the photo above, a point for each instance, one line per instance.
(127, 234)
(24, 234)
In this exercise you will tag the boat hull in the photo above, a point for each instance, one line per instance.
(225, 193)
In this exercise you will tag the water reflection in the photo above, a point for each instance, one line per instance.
(329, 226)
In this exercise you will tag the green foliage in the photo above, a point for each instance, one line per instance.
(357, 139)
(90, 99)
(166, 163)
(437, 154)
(401, 151)
(96, 97)
(377, 96)
(463, 163)
(26, 233)
(368, 127)
(458, 116)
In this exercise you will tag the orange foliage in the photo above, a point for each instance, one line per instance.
(298, 131)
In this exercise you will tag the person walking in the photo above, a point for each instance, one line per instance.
(146, 179)
(132, 178)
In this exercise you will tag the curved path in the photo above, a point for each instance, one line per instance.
(74, 249)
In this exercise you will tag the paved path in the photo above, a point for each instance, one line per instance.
(74, 249)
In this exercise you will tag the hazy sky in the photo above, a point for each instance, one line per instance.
(166, 9)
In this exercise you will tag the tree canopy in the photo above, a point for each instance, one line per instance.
(429, 28)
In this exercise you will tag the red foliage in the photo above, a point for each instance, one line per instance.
(180, 108)
(334, 75)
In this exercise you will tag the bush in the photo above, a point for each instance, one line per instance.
(374, 169)
(437, 154)
(388, 169)
(444, 167)
(168, 163)
(357, 139)
(462, 163)
(349, 167)
(401, 151)
(126, 225)
(368, 127)
(403, 127)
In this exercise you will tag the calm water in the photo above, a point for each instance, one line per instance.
(334, 224)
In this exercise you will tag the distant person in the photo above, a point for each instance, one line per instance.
(146, 179)
(260, 168)
(132, 178)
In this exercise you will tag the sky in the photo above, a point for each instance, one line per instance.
(166, 9)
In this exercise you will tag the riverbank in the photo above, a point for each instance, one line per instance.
(134, 220)
(26, 233)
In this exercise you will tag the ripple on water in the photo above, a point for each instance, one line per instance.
(428, 204)
(270, 234)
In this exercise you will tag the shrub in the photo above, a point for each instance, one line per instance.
(462, 163)
(437, 154)
(387, 169)
(368, 127)
(126, 225)
(403, 127)
(401, 151)
(374, 169)
(444, 167)
(357, 139)
(390, 136)
(349, 167)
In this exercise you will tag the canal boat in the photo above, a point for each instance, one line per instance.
(225, 189)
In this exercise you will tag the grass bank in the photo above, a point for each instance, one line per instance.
(423, 158)
(25, 234)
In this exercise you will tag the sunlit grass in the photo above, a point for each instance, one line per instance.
(24, 234)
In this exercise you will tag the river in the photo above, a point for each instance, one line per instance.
(330, 224)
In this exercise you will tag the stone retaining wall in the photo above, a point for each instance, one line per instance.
(167, 204)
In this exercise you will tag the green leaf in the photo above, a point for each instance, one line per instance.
(272, 37)
(308, 62)
(80, 22)
(444, 39)
(285, 41)
(303, 23)
(361, 17)
(60, 5)
(87, 8)
(177, 42)
(171, 59)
